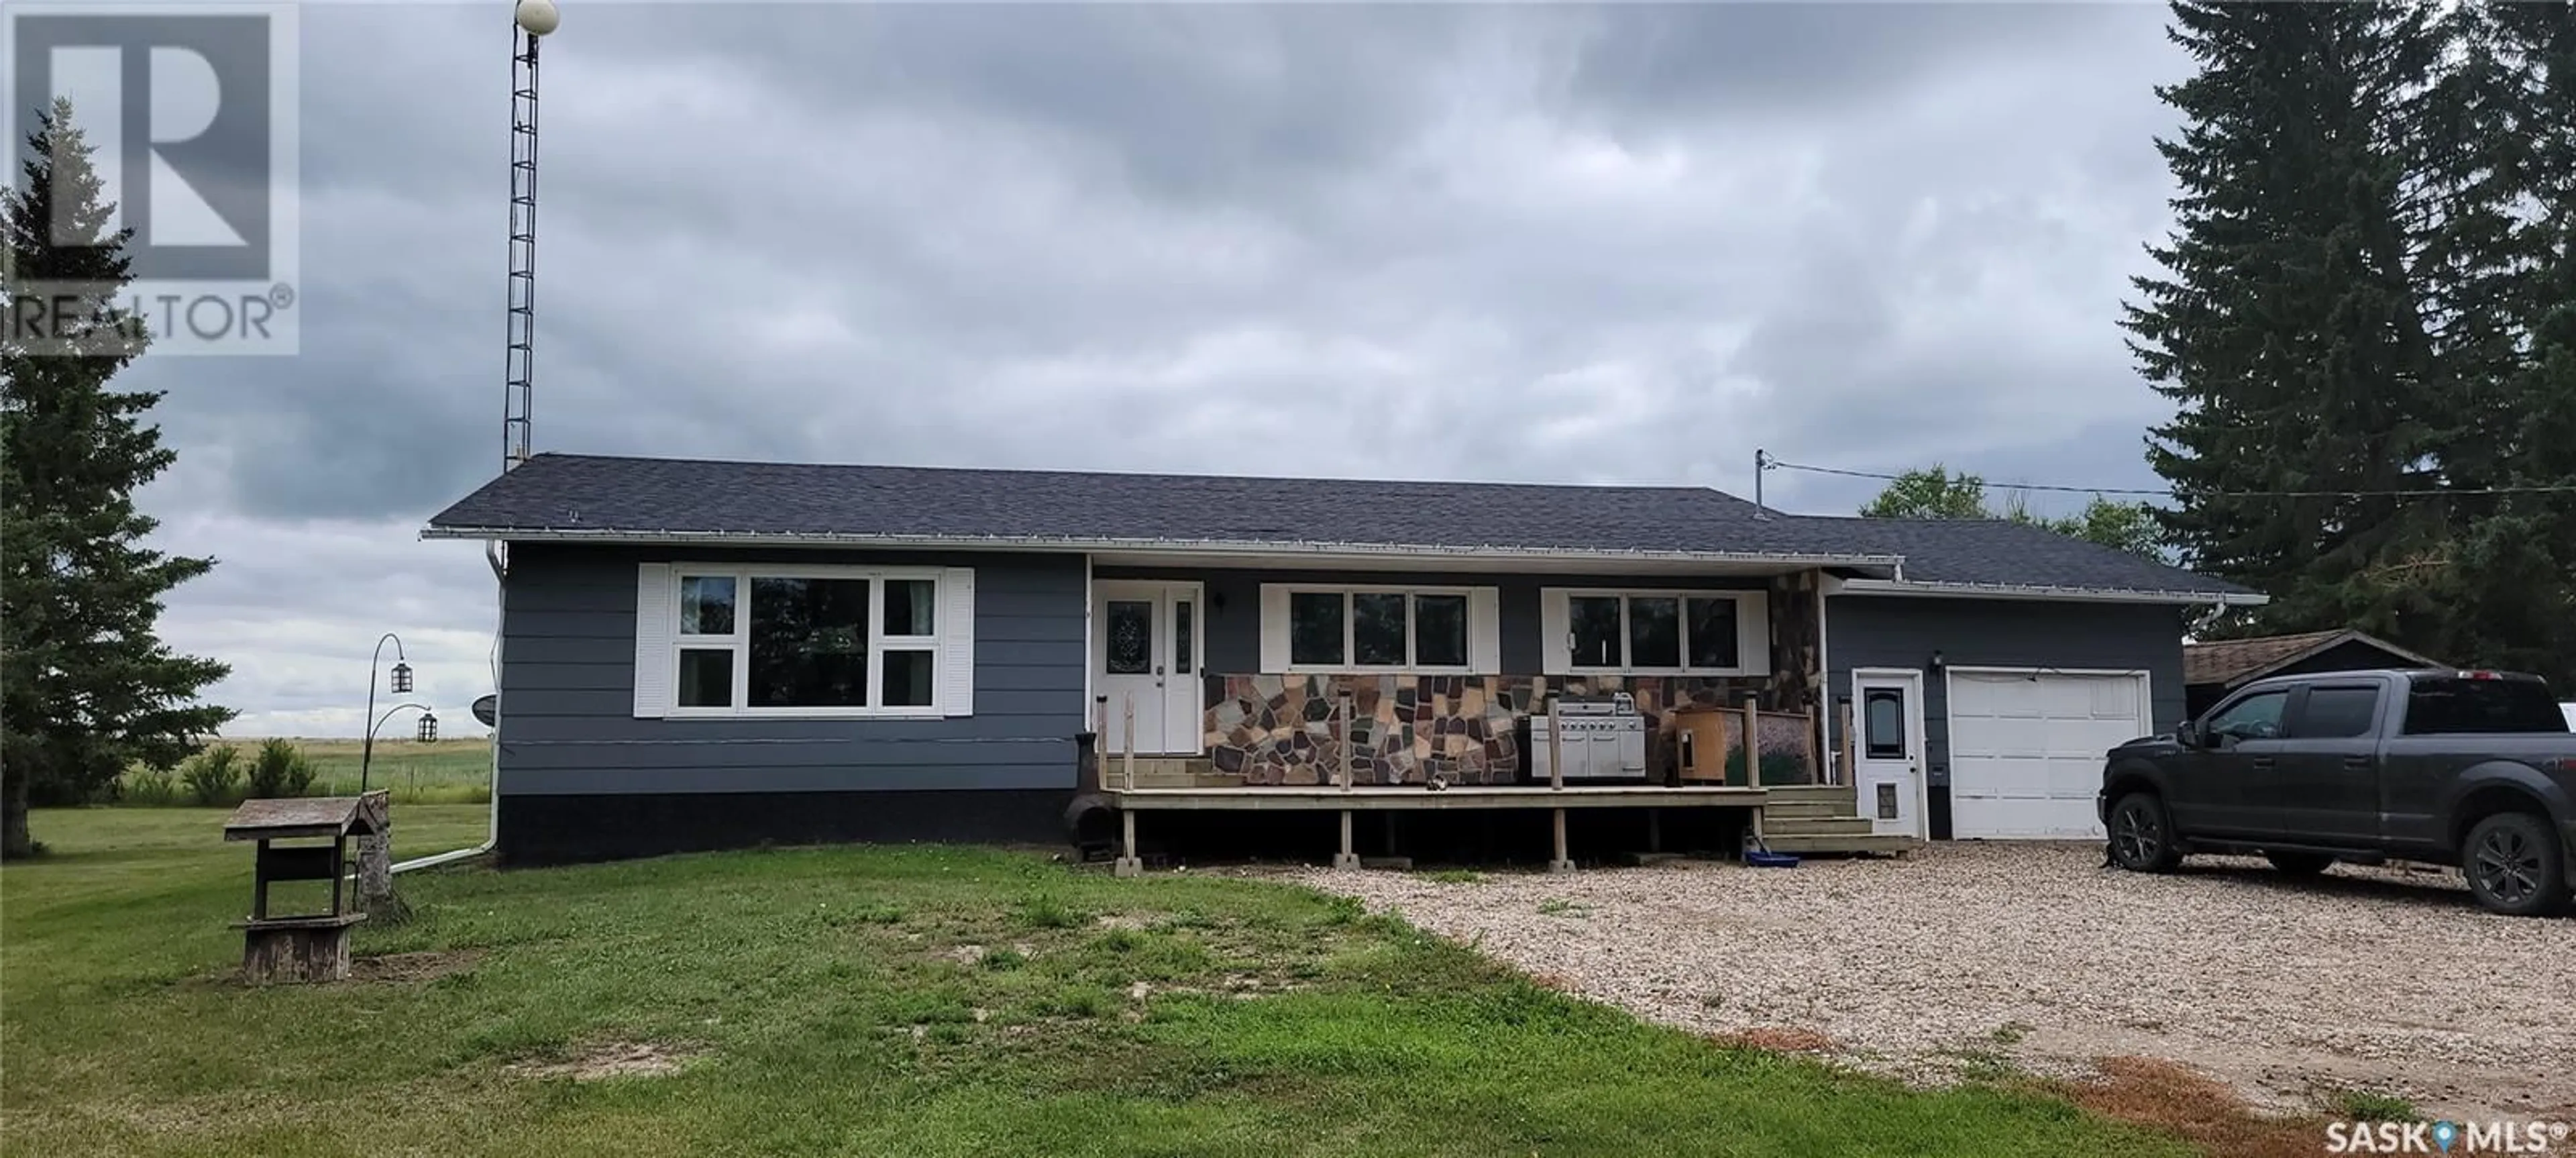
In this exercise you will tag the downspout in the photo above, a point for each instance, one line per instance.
(492, 838)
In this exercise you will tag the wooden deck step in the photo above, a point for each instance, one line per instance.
(1829, 844)
(1776, 808)
(1813, 825)
(1845, 796)
(1166, 772)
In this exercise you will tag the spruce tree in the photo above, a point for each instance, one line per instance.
(2519, 563)
(2285, 326)
(86, 685)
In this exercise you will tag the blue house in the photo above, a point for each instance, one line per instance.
(709, 654)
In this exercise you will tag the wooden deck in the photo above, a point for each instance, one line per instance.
(1795, 818)
(1373, 798)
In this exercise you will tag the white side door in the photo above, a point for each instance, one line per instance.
(1146, 659)
(1887, 749)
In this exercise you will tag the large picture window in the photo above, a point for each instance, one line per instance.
(1382, 629)
(804, 641)
(1657, 632)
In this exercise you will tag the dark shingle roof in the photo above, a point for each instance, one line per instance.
(558, 494)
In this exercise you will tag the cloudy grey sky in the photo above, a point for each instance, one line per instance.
(1545, 243)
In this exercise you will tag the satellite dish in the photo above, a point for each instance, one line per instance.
(487, 708)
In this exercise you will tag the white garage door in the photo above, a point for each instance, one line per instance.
(2026, 749)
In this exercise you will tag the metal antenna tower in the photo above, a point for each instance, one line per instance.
(530, 20)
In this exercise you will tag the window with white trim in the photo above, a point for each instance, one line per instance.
(806, 641)
(1656, 632)
(1365, 628)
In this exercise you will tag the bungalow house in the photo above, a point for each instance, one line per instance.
(702, 654)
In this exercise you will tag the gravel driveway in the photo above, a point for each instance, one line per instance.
(1963, 957)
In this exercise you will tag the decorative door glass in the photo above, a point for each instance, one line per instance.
(1131, 637)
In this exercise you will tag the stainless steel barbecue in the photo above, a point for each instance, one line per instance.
(1600, 738)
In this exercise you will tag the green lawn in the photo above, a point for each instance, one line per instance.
(828, 1002)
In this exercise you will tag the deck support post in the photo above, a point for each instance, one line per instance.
(1555, 759)
(1654, 830)
(1843, 745)
(1560, 863)
(1128, 864)
(1350, 759)
(1349, 857)
(1752, 740)
(1128, 757)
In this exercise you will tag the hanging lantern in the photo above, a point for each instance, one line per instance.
(428, 732)
(402, 679)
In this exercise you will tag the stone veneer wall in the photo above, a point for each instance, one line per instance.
(1275, 729)
(1406, 729)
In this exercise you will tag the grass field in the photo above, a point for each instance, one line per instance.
(444, 772)
(864, 1001)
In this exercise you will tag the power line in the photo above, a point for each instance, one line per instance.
(1769, 463)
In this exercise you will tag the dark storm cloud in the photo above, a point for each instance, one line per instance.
(1818, 63)
(1532, 242)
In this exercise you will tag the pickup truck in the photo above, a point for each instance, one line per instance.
(2469, 768)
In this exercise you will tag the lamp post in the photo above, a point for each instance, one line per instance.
(399, 684)
(426, 732)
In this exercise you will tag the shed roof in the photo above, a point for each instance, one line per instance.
(303, 816)
(2228, 662)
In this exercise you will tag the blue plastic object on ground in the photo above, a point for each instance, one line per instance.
(1763, 858)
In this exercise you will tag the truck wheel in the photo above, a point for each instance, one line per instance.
(2515, 866)
(2300, 864)
(2142, 836)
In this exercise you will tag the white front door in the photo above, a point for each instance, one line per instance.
(1887, 749)
(1145, 652)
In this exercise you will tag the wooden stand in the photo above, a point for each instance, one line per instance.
(301, 946)
(297, 949)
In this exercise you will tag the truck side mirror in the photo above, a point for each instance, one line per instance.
(2187, 734)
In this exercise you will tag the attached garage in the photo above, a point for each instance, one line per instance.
(2026, 747)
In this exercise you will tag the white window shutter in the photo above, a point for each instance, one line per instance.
(1555, 649)
(1274, 628)
(957, 641)
(1484, 631)
(657, 626)
(1753, 632)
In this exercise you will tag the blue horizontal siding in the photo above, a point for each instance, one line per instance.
(568, 688)
(1903, 632)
